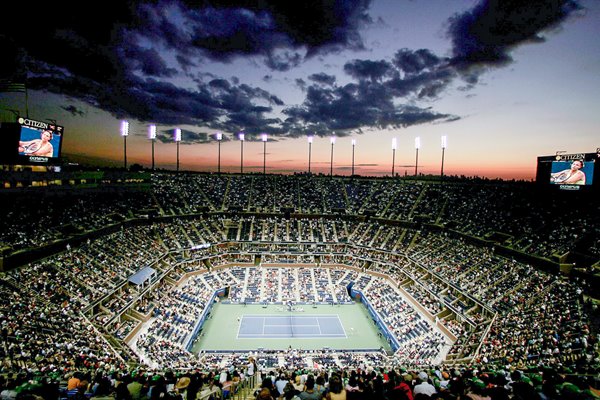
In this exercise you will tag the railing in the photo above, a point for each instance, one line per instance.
(243, 390)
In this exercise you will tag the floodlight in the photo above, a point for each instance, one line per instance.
(152, 132)
(124, 128)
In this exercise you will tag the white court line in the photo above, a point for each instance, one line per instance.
(342, 325)
(239, 328)
(295, 317)
(286, 336)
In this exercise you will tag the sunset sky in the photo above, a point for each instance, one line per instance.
(505, 84)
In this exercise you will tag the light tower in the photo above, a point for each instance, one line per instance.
(219, 139)
(124, 133)
(353, 146)
(177, 138)
(264, 140)
(417, 146)
(310, 140)
(444, 144)
(394, 145)
(331, 164)
(242, 137)
(152, 137)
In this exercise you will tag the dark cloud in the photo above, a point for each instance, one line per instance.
(73, 110)
(322, 25)
(485, 35)
(283, 62)
(423, 85)
(378, 98)
(223, 30)
(301, 84)
(185, 63)
(146, 60)
(187, 137)
(220, 84)
(166, 136)
(348, 108)
(218, 104)
(367, 69)
(322, 78)
(276, 100)
(411, 115)
(413, 62)
(223, 33)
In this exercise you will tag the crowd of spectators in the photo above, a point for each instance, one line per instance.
(40, 335)
(540, 225)
(56, 313)
(362, 379)
(493, 286)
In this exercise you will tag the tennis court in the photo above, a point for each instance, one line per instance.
(233, 327)
(290, 326)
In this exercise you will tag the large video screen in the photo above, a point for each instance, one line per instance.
(569, 171)
(39, 142)
(575, 172)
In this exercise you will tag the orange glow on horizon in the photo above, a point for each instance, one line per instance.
(231, 164)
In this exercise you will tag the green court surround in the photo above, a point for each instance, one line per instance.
(219, 332)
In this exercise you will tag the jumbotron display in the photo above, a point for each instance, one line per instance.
(30, 141)
(39, 142)
(569, 171)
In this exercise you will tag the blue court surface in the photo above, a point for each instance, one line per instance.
(290, 326)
